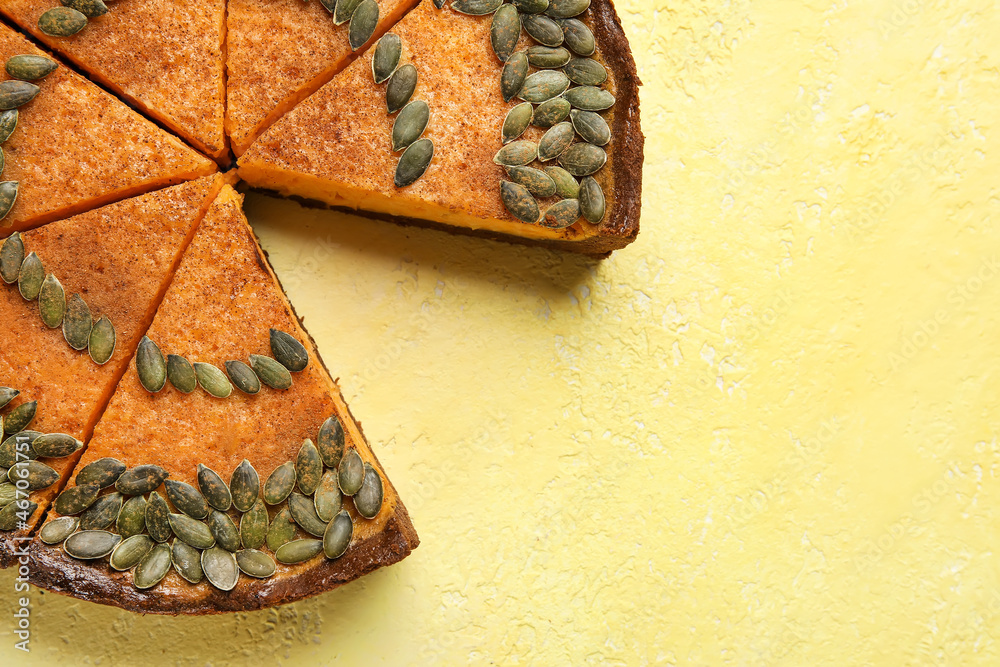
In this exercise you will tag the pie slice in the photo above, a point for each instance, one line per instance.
(221, 306)
(280, 52)
(335, 146)
(164, 57)
(119, 259)
(76, 148)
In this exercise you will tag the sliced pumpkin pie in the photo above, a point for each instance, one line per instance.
(103, 273)
(513, 125)
(232, 474)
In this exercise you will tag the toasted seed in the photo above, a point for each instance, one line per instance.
(192, 531)
(328, 499)
(224, 530)
(542, 29)
(152, 568)
(243, 377)
(513, 75)
(29, 280)
(555, 140)
(141, 479)
(337, 537)
(89, 8)
(578, 37)
(15, 513)
(102, 472)
(363, 23)
(562, 214)
(279, 483)
(591, 200)
(329, 5)
(150, 365)
(181, 374)
(586, 72)
(186, 498)
(351, 473)
(132, 518)
(330, 441)
(439, 3)
(17, 447)
(298, 551)
(536, 180)
(589, 98)
(505, 29)
(3, 474)
(476, 7)
(400, 88)
(308, 467)
(304, 514)
(130, 551)
(7, 394)
(8, 123)
(531, 6)
(255, 563)
(565, 9)
(77, 322)
(102, 513)
(212, 380)
(244, 485)
(39, 475)
(516, 122)
(413, 162)
(281, 531)
(386, 59)
(76, 499)
(11, 256)
(8, 494)
(8, 195)
(516, 153)
(55, 445)
(546, 57)
(102, 341)
(583, 159)
(158, 518)
(567, 187)
(220, 568)
(214, 488)
(187, 561)
(30, 67)
(91, 544)
(51, 302)
(343, 11)
(14, 94)
(591, 127)
(58, 529)
(270, 372)
(253, 526)
(519, 202)
(407, 128)
(543, 85)
(368, 499)
(289, 352)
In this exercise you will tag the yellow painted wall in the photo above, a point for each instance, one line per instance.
(766, 433)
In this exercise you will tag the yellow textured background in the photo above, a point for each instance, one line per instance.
(766, 433)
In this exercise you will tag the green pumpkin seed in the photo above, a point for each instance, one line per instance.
(439, 3)
(141, 479)
(3, 475)
(337, 537)
(187, 561)
(8, 123)
(543, 85)
(363, 23)
(270, 372)
(89, 8)
(51, 302)
(304, 514)
(308, 467)
(181, 374)
(543, 29)
(244, 485)
(150, 365)
(591, 127)
(11, 256)
(516, 154)
(400, 88)
(409, 125)
(255, 563)
(343, 11)
(214, 488)
(186, 498)
(152, 568)
(516, 122)
(58, 529)
(102, 513)
(329, 5)
(253, 526)
(91, 544)
(7, 394)
(132, 518)
(546, 57)
(368, 499)
(8, 494)
(531, 6)
(328, 498)
(330, 441)
(14, 514)
(158, 518)
(279, 483)
(102, 341)
(386, 59)
(224, 530)
(413, 163)
(30, 67)
(130, 551)
(38, 475)
(8, 195)
(578, 37)
(192, 531)
(243, 377)
(29, 280)
(77, 322)
(55, 445)
(536, 180)
(519, 202)
(555, 140)
(591, 200)
(351, 473)
(476, 7)
(220, 568)
(565, 9)
(586, 72)
(298, 551)
(505, 30)
(583, 159)
(562, 214)
(212, 380)
(513, 75)
(102, 472)
(2, 160)
(589, 98)
(567, 187)
(14, 94)
(289, 352)
(281, 531)
(17, 447)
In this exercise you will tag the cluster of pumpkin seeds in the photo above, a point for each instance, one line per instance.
(71, 17)
(413, 115)
(215, 530)
(362, 16)
(153, 369)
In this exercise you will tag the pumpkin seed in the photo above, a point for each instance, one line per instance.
(186, 498)
(400, 88)
(224, 530)
(586, 72)
(141, 479)
(244, 485)
(102, 513)
(513, 75)
(212, 380)
(61, 22)
(591, 127)
(351, 473)
(29, 280)
(546, 57)
(102, 472)
(8, 195)
(519, 202)
(181, 374)
(543, 29)
(476, 7)
(152, 568)
(368, 499)
(192, 531)
(281, 531)
(298, 551)
(255, 563)
(102, 341)
(329, 5)
(3, 474)
(567, 187)
(591, 200)
(555, 140)
(583, 159)
(77, 322)
(330, 441)
(39, 475)
(14, 94)
(565, 9)
(516, 153)
(220, 568)
(17, 447)
(343, 11)
(91, 544)
(11, 255)
(187, 561)
(337, 537)
(505, 30)
(408, 126)
(158, 518)
(562, 214)
(132, 518)
(89, 8)
(8, 494)
(253, 526)
(543, 85)
(7, 394)
(270, 372)
(386, 59)
(439, 3)
(2, 160)
(308, 467)
(55, 445)
(578, 37)
(589, 98)
(51, 302)
(30, 67)
(516, 122)
(531, 6)
(289, 352)
(328, 498)
(14, 514)
(214, 488)
(150, 365)
(279, 483)
(413, 162)
(58, 529)
(8, 123)
(536, 180)
(363, 23)
(130, 551)
(304, 514)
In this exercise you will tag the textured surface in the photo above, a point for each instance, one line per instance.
(763, 434)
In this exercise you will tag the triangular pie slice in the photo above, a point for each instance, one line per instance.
(221, 306)
(279, 52)
(76, 148)
(165, 57)
(335, 146)
(119, 259)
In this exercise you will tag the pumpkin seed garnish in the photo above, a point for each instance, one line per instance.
(102, 341)
(244, 485)
(7, 394)
(91, 544)
(567, 187)
(152, 568)
(132, 518)
(158, 518)
(330, 441)
(270, 372)
(516, 122)
(400, 88)
(505, 29)
(555, 140)
(213, 380)
(181, 374)
(531, 6)
(253, 526)
(11, 453)
(89, 8)
(8, 494)
(546, 57)
(298, 551)
(591, 200)
(224, 529)
(102, 513)
(565, 9)
(61, 22)
(255, 563)
(519, 202)
(476, 7)
(8, 123)
(368, 499)
(337, 537)
(408, 126)
(513, 75)
(186, 498)
(30, 67)
(288, 351)
(363, 23)
(3, 474)
(214, 488)
(102, 472)
(14, 94)
(20, 417)
(29, 280)
(51, 302)
(516, 154)
(150, 365)
(220, 568)
(386, 59)
(77, 322)
(351, 473)
(329, 5)
(578, 37)
(141, 479)
(589, 98)
(11, 255)
(308, 467)
(304, 514)
(55, 445)
(328, 498)
(279, 483)
(583, 159)
(187, 561)
(282, 530)
(562, 214)
(8, 195)
(586, 72)
(192, 531)
(536, 180)
(543, 85)
(413, 162)
(58, 529)
(9, 519)
(39, 475)
(591, 127)
(542, 29)
(130, 551)
(343, 11)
